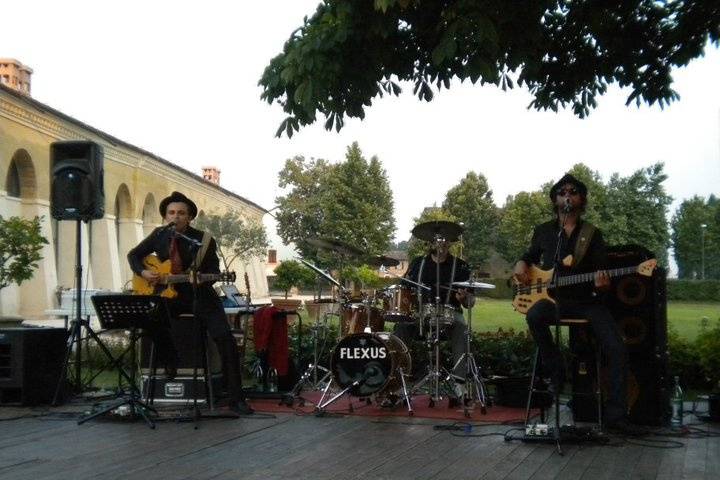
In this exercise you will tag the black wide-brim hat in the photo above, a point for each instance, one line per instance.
(178, 197)
(580, 186)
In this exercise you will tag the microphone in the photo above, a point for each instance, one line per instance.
(169, 226)
(568, 206)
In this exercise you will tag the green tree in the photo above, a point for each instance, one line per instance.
(292, 273)
(636, 211)
(688, 237)
(21, 241)
(518, 217)
(237, 239)
(565, 53)
(472, 204)
(349, 201)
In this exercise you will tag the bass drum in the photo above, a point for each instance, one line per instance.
(370, 363)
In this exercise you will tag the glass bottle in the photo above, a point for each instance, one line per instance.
(676, 404)
(272, 380)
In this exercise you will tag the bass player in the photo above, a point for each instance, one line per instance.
(582, 250)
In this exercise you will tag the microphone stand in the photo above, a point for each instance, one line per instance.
(553, 283)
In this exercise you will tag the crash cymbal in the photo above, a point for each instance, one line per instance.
(430, 231)
(334, 245)
(383, 261)
(474, 285)
(320, 272)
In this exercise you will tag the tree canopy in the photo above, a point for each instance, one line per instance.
(471, 202)
(696, 238)
(565, 53)
(237, 239)
(21, 243)
(349, 201)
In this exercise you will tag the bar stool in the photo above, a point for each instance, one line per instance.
(570, 323)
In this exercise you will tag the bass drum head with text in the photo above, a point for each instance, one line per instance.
(368, 359)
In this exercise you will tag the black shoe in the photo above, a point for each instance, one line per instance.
(241, 408)
(626, 429)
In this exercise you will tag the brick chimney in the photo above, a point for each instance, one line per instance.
(15, 75)
(211, 174)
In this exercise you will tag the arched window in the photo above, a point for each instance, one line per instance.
(12, 182)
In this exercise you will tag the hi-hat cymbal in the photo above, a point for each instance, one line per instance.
(383, 261)
(334, 245)
(431, 231)
(474, 285)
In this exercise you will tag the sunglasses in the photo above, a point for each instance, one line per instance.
(566, 191)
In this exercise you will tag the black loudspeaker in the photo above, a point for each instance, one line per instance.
(183, 331)
(31, 361)
(77, 190)
(639, 306)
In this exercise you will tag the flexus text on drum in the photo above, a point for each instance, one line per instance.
(360, 352)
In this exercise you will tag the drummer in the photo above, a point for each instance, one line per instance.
(423, 269)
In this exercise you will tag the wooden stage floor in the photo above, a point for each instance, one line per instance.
(48, 444)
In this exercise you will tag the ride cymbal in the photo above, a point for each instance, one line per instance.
(443, 229)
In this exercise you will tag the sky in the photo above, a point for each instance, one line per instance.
(179, 79)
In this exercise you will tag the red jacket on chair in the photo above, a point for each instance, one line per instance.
(271, 334)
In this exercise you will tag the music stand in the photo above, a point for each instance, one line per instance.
(130, 312)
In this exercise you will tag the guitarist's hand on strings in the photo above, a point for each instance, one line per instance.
(520, 272)
(602, 280)
(151, 277)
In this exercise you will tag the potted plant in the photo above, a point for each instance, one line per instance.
(289, 274)
(20, 244)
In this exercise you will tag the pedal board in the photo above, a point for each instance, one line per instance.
(541, 432)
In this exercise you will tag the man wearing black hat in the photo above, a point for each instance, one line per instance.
(178, 210)
(582, 250)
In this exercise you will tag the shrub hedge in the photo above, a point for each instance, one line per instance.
(693, 290)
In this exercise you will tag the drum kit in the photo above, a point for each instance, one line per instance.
(371, 363)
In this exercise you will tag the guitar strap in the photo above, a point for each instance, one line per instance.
(203, 249)
(586, 233)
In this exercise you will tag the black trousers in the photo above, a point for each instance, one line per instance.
(211, 312)
(542, 315)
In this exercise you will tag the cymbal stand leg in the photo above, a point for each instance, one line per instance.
(406, 394)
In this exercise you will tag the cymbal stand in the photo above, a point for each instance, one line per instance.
(474, 385)
(436, 374)
(314, 367)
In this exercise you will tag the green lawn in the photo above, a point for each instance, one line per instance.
(683, 317)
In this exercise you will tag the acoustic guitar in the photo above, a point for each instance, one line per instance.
(164, 287)
(538, 287)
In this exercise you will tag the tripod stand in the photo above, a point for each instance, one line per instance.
(474, 385)
(77, 326)
(312, 371)
(133, 312)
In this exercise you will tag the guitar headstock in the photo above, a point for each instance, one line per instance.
(647, 267)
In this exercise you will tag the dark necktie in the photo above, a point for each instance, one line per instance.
(176, 265)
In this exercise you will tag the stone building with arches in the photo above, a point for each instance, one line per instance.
(134, 184)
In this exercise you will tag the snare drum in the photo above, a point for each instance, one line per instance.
(373, 360)
(353, 319)
(444, 313)
(399, 304)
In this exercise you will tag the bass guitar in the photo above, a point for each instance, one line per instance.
(538, 286)
(164, 287)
